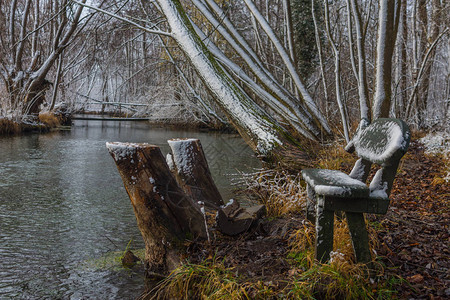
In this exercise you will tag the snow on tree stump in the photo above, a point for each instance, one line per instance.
(165, 214)
(232, 219)
(192, 172)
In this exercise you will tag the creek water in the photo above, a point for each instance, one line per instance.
(63, 206)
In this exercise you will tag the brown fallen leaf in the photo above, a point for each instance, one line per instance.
(415, 278)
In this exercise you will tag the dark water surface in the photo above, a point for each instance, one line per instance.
(63, 204)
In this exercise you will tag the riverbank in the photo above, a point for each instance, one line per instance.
(275, 260)
(10, 127)
(44, 123)
(171, 120)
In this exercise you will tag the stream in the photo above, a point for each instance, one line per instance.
(63, 207)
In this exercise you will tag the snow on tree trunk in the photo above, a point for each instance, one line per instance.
(307, 99)
(362, 73)
(259, 130)
(165, 215)
(192, 171)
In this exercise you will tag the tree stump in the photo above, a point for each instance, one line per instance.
(165, 214)
(192, 172)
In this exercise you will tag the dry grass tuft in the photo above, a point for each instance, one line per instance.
(303, 239)
(341, 278)
(334, 157)
(49, 119)
(210, 280)
(9, 127)
(279, 191)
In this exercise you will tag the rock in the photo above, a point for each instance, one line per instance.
(233, 220)
(129, 259)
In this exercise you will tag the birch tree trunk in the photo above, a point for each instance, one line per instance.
(429, 34)
(258, 128)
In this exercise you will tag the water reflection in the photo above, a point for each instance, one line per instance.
(62, 202)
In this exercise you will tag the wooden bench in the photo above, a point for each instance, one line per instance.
(383, 142)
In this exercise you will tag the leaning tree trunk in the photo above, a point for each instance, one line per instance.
(165, 214)
(264, 134)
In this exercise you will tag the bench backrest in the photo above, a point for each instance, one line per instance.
(384, 142)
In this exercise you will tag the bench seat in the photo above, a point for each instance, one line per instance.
(335, 183)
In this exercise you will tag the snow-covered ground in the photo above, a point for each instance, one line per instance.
(439, 143)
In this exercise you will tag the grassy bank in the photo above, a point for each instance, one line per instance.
(276, 259)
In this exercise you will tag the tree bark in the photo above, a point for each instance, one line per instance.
(362, 73)
(165, 215)
(387, 34)
(256, 126)
(428, 36)
(192, 172)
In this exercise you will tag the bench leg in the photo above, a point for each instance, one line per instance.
(324, 231)
(360, 238)
(310, 204)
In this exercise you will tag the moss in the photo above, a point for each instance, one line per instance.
(111, 260)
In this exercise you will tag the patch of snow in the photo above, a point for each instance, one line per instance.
(335, 177)
(378, 188)
(183, 155)
(336, 256)
(333, 182)
(438, 143)
(122, 150)
(358, 170)
(331, 190)
(228, 203)
(152, 180)
(383, 149)
(169, 160)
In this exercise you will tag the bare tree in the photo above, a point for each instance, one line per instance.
(31, 50)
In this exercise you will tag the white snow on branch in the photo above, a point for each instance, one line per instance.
(240, 108)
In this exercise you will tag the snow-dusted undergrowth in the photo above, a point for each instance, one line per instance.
(278, 190)
(439, 143)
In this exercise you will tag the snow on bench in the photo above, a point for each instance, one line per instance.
(384, 142)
